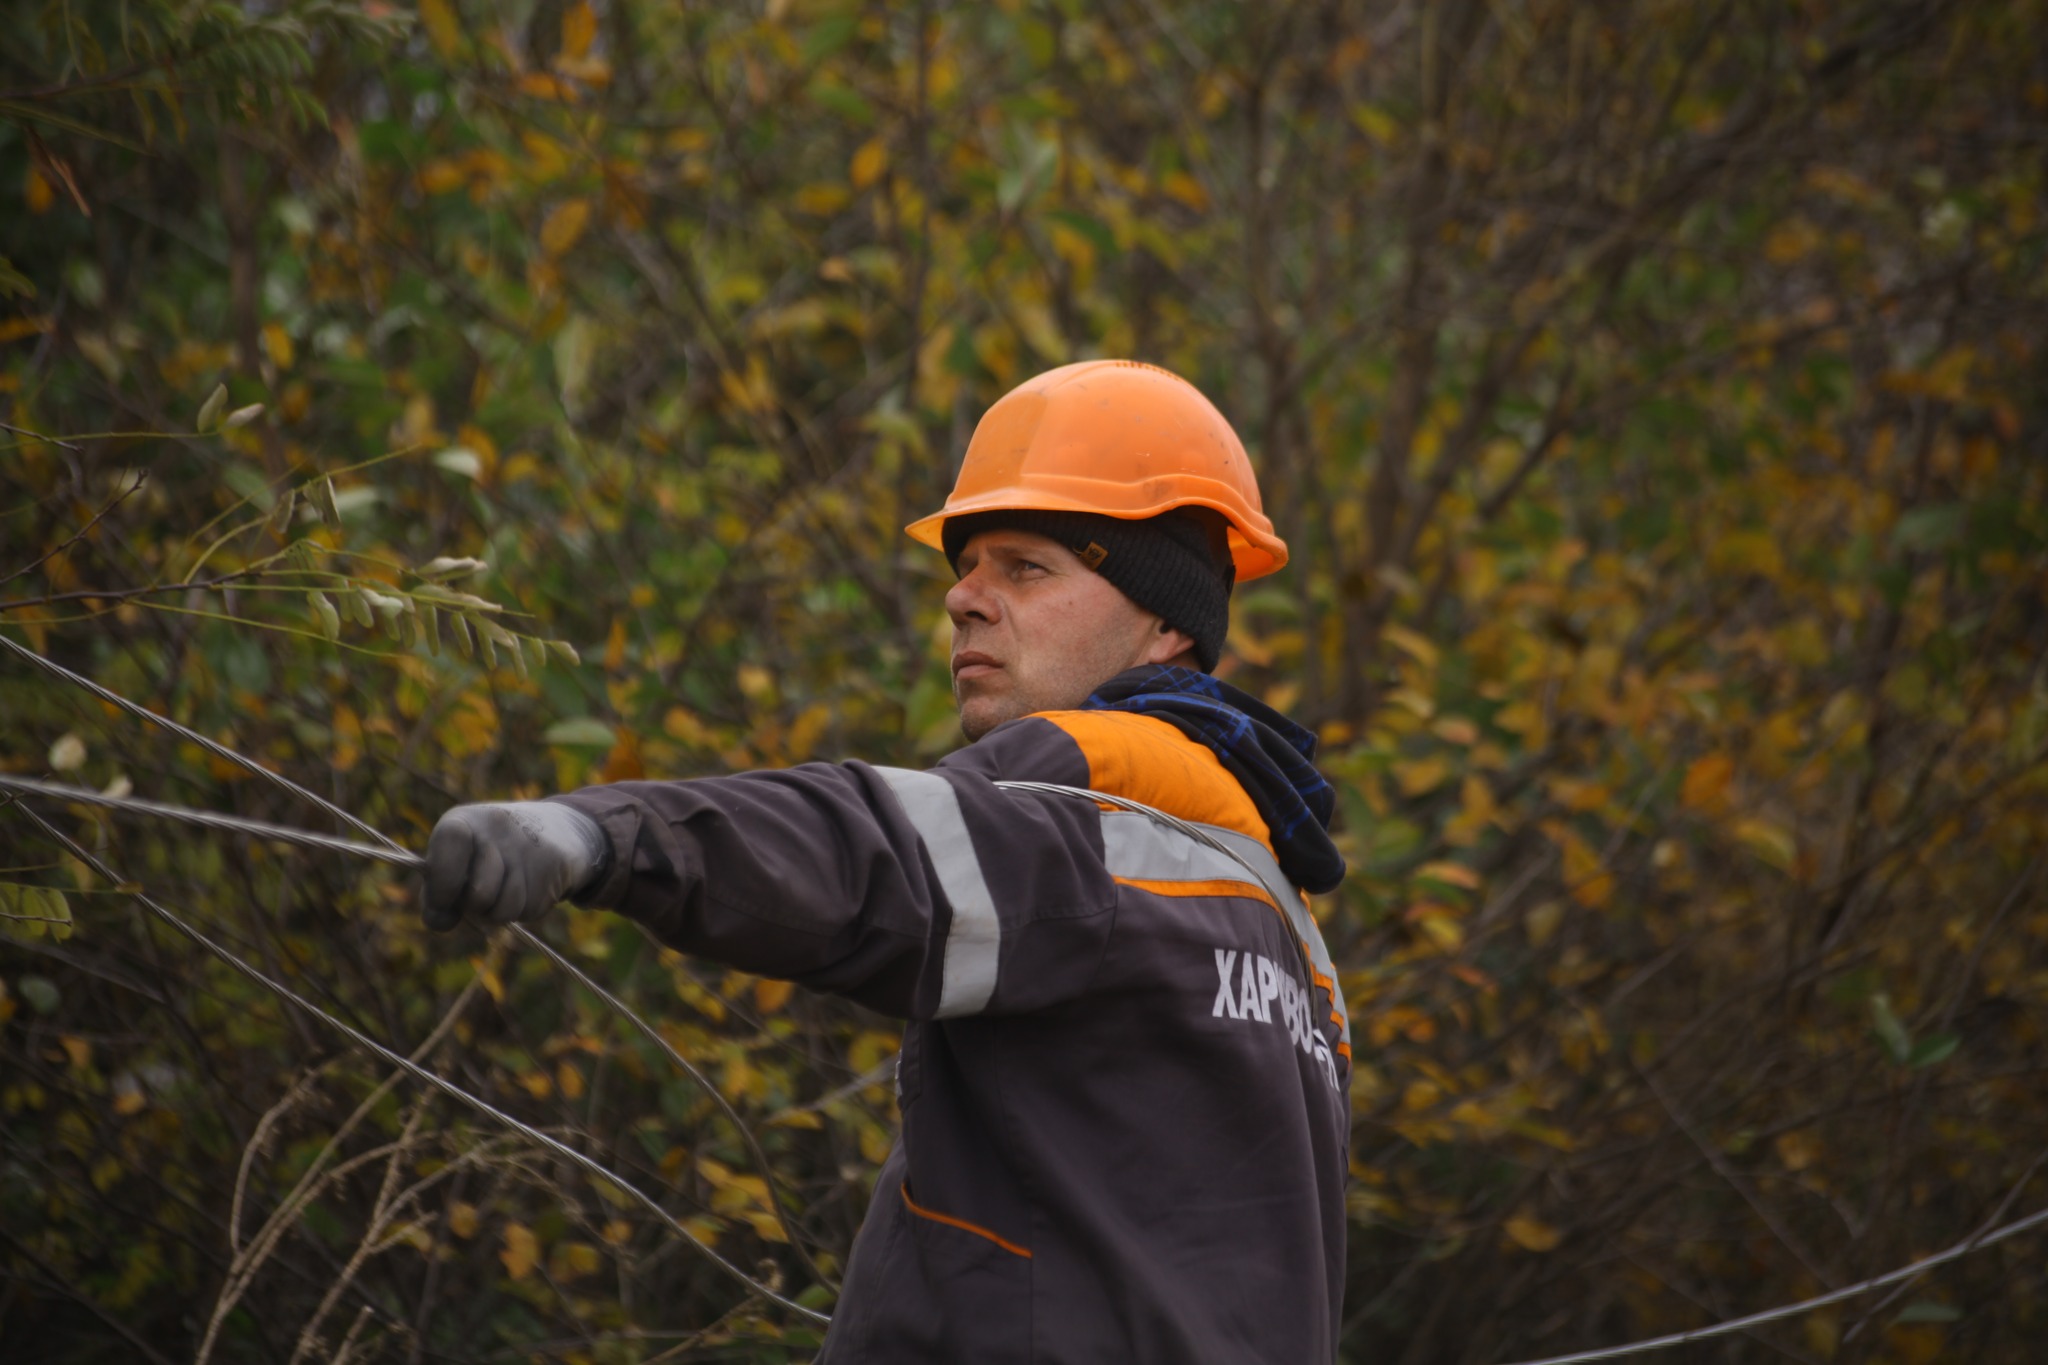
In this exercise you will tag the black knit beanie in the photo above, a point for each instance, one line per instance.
(1176, 565)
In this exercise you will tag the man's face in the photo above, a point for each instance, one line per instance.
(1035, 629)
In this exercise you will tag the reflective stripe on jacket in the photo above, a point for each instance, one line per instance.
(1123, 1080)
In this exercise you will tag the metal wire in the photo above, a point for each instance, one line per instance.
(255, 829)
(401, 857)
(1793, 1310)
(185, 732)
(391, 851)
(411, 1068)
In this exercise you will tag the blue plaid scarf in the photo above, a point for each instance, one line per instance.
(1264, 750)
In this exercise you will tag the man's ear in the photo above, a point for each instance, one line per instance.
(1167, 645)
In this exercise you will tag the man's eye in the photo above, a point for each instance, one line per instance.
(1024, 564)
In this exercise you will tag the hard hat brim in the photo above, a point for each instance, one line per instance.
(1254, 554)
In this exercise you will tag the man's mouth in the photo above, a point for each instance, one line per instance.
(973, 664)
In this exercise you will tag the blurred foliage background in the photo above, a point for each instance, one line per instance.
(1652, 393)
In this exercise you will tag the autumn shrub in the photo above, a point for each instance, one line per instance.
(474, 402)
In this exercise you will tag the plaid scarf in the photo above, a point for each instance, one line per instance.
(1264, 750)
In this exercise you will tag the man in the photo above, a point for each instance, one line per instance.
(1124, 1067)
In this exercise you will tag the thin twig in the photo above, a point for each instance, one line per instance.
(84, 1300)
(38, 436)
(141, 477)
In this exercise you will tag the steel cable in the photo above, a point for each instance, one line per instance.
(388, 850)
(1793, 1310)
(402, 857)
(237, 824)
(588, 1165)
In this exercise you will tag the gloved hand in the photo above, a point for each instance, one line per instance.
(511, 860)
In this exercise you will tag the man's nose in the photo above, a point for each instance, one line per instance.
(970, 600)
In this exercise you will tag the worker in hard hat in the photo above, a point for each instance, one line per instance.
(1124, 1066)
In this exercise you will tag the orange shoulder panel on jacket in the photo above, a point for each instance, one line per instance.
(1149, 760)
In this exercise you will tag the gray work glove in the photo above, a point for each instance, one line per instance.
(511, 860)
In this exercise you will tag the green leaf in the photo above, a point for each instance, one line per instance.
(1094, 229)
(248, 482)
(210, 411)
(584, 731)
(325, 616)
(1933, 1050)
(13, 283)
(1926, 1310)
(326, 504)
(1889, 1030)
(827, 36)
(40, 992)
(461, 460)
(1931, 528)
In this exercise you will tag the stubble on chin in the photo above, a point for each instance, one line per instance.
(978, 716)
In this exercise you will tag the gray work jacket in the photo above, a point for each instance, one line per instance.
(1124, 1073)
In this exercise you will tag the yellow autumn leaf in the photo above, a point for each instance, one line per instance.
(1441, 928)
(1541, 922)
(1797, 1149)
(1413, 643)
(444, 30)
(1376, 124)
(1476, 809)
(1188, 190)
(543, 85)
(1531, 1234)
(573, 1260)
(277, 344)
(462, 1219)
(756, 683)
(565, 223)
(1451, 874)
(348, 737)
(37, 191)
(770, 996)
(521, 1251)
(820, 199)
(1773, 843)
(1419, 775)
(1456, 729)
(868, 163)
(1706, 783)
(1577, 795)
(579, 29)
(1585, 876)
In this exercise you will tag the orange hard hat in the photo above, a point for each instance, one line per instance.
(1119, 438)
